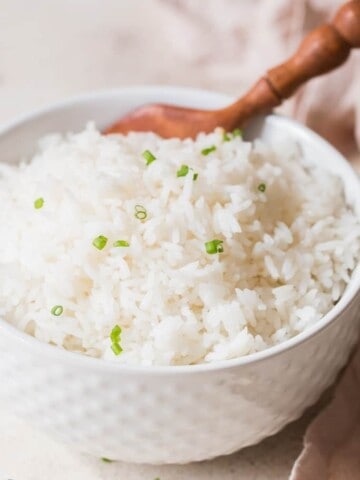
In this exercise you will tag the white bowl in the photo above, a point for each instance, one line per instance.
(172, 414)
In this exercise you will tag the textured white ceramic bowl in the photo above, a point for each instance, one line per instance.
(171, 414)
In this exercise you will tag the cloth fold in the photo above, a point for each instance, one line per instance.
(332, 441)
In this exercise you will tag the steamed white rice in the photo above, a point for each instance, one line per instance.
(288, 251)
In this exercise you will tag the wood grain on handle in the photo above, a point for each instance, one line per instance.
(322, 50)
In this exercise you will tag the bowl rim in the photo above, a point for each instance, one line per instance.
(346, 301)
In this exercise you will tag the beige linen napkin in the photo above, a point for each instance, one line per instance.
(332, 442)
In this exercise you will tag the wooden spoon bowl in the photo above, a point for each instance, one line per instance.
(322, 50)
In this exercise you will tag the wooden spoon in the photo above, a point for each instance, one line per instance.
(322, 50)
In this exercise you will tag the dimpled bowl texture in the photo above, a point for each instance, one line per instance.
(171, 414)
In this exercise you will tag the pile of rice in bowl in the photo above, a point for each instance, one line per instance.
(169, 252)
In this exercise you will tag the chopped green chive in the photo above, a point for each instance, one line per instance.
(57, 310)
(106, 460)
(100, 242)
(115, 334)
(149, 157)
(206, 151)
(183, 171)
(214, 246)
(39, 203)
(237, 132)
(121, 243)
(262, 187)
(116, 348)
(140, 212)
(226, 137)
(115, 337)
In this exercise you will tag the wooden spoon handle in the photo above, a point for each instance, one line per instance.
(322, 50)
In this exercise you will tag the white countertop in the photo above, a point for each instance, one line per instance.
(49, 50)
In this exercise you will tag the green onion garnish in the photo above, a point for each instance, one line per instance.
(100, 242)
(115, 337)
(121, 243)
(57, 310)
(149, 157)
(226, 137)
(39, 203)
(214, 246)
(183, 171)
(106, 460)
(237, 132)
(116, 348)
(262, 187)
(140, 212)
(206, 151)
(115, 334)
